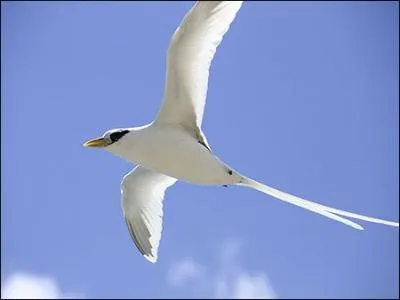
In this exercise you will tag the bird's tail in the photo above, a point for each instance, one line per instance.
(329, 212)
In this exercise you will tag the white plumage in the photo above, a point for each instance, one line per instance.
(190, 53)
(173, 146)
(142, 193)
(191, 50)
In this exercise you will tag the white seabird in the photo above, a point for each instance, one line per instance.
(173, 147)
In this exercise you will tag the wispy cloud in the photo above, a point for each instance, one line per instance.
(234, 281)
(184, 270)
(246, 286)
(228, 279)
(30, 286)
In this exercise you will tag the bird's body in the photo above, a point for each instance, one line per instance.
(171, 150)
(173, 147)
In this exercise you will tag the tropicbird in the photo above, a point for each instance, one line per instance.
(173, 147)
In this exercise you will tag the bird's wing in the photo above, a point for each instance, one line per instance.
(142, 203)
(189, 56)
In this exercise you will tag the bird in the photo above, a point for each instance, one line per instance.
(173, 146)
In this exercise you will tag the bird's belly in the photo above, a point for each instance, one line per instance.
(177, 154)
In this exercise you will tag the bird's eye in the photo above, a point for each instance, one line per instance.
(115, 136)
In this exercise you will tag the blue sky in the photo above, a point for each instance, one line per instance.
(302, 96)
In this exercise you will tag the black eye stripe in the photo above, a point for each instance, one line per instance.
(115, 136)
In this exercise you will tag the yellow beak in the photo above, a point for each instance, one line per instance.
(99, 143)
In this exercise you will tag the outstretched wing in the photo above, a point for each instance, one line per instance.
(142, 203)
(190, 53)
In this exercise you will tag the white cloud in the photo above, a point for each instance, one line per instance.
(228, 279)
(29, 286)
(252, 287)
(229, 251)
(243, 285)
(236, 283)
(183, 271)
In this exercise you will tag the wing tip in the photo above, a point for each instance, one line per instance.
(151, 258)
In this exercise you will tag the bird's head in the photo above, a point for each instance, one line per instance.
(110, 137)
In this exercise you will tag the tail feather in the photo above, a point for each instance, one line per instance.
(329, 212)
(355, 216)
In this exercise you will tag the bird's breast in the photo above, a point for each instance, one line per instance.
(172, 151)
